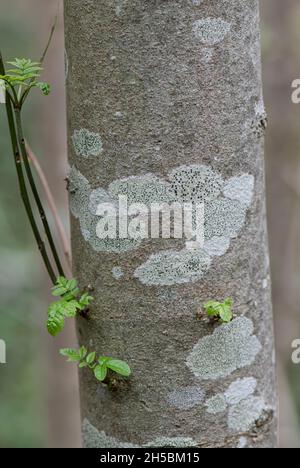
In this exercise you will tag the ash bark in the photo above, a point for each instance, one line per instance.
(166, 84)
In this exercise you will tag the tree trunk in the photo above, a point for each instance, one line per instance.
(165, 102)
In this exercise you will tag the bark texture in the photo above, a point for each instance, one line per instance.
(165, 97)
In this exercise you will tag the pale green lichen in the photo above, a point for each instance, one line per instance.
(206, 54)
(170, 442)
(170, 267)
(120, 6)
(83, 205)
(92, 438)
(243, 416)
(79, 189)
(195, 183)
(217, 246)
(144, 189)
(86, 143)
(186, 397)
(240, 189)
(216, 404)
(224, 218)
(231, 347)
(240, 390)
(117, 273)
(211, 31)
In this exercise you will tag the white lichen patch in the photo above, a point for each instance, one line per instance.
(92, 438)
(83, 205)
(243, 416)
(171, 267)
(120, 6)
(217, 246)
(211, 31)
(79, 189)
(186, 398)
(98, 196)
(216, 404)
(195, 183)
(240, 390)
(240, 188)
(206, 54)
(231, 347)
(224, 218)
(87, 144)
(170, 442)
(117, 273)
(142, 189)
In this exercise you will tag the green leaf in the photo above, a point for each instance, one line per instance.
(100, 372)
(58, 291)
(120, 367)
(85, 301)
(82, 352)
(221, 310)
(103, 360)
(226, 315)
(72, 354)
(91, 358)
(55, 324)
(69, 309)
(83, 364)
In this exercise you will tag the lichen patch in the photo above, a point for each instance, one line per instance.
(92, 438)
(117, 273)
(196, 183)
(186, 398)
(87, 144)
(243, 416)
(216, 404)
(217, 246)
(170, 442)
(211, 31)
(240, 390)
(173, 267)
(231, 347)
(240, 188)
(224, 218)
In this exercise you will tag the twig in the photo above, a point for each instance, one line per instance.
(51, 36)
(36, 196)
(50, 199)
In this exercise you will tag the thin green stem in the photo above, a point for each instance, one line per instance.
(24, 193)
(21, 141)
(22, 183)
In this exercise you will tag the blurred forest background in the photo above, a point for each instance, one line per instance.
(39, 404)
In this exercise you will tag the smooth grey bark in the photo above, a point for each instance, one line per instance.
(169, 94)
